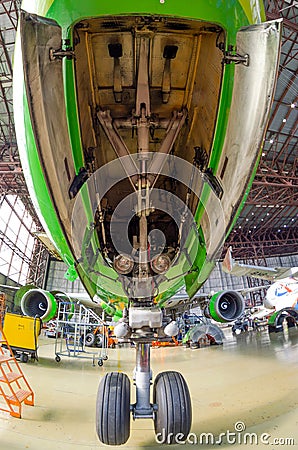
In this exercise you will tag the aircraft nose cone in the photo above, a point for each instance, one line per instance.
(268, 303)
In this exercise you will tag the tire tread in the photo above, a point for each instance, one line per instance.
(113, 409)
(172, 396)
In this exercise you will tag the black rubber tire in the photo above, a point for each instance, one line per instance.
(113, 409)
(99, 340)
(57, 358)
(89, 339)
(24, 357)
(100, 362)
(174, 415)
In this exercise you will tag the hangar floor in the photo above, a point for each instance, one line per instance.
(250, 382)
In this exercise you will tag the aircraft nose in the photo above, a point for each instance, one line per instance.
(268, 303)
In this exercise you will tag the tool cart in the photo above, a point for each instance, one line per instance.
(74, 325)
(22, 335)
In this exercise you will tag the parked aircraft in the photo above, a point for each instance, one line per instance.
(140, 127)
(281, 300)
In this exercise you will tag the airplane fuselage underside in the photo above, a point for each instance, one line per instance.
(152, 106)
(140, 126)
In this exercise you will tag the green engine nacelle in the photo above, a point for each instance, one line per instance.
(39, 303)
(43, 304)
(225, 306)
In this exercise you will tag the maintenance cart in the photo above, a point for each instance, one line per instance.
(22, 335)
(75, 325)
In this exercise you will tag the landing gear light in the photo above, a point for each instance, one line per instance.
(161, 264)
(123, 264)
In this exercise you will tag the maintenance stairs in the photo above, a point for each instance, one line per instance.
(14, 388)
(76, 325)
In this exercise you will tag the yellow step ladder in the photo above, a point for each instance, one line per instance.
(14, 388)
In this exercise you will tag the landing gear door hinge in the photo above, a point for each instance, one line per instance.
(233, 57)
(59, 54)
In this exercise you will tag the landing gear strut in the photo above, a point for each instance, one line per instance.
(170, 410)
(171, 407)
(142, 376)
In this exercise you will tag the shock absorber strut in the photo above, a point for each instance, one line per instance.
(143, 409)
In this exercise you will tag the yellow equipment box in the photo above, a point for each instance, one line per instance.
(21, 331)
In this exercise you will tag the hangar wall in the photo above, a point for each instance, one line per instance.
(55, 279)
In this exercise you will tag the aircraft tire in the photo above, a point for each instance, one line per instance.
(173, 416)
(113, 409)
(89, 339)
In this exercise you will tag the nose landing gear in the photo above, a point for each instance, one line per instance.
(170, 410)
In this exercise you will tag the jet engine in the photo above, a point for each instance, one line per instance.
(225, 306)
(39, 303)
(36, 302)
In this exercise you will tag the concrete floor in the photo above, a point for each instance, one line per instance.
(252, 380)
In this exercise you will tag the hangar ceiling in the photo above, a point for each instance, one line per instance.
(268, 223)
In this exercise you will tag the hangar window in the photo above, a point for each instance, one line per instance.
(16, 239)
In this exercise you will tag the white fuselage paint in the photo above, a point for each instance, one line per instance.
(282, 294)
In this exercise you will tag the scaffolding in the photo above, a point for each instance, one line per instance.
(77, 328)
